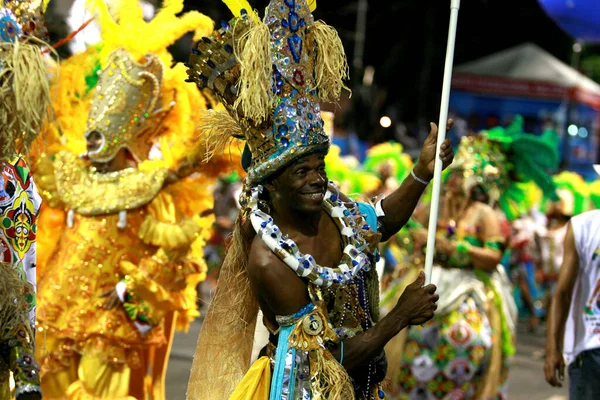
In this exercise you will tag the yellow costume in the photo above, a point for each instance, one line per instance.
(133, 233)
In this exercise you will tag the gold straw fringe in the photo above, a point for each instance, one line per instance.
(217, 129)
(24, 95)
(225, 344)
(13, 307)
(331, 66)
(254, 55)
(332, 380)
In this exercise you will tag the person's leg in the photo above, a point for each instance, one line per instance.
(527, 298)
(575, 380)
(591, 374)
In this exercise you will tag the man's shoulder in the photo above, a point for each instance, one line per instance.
(587, 218)
(260, 255)
(263, 262)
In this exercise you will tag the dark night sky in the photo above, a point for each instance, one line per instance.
(406, 42)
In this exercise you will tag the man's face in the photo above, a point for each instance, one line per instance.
(302, 185)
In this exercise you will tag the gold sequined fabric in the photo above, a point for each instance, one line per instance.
(88, 192)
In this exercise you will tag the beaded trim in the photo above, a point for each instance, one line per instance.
(350, 222)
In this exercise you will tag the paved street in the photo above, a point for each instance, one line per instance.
(526, 380)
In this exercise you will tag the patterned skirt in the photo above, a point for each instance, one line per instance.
(449, 357)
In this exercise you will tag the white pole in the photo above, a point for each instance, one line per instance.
(437, 176)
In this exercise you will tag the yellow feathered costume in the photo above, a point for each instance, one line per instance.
(135, 234)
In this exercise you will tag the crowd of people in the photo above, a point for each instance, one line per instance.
(154, 178)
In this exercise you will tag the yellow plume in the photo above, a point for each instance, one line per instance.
(236, 7)
(139, 37)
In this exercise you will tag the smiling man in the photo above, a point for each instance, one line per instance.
(302, 251)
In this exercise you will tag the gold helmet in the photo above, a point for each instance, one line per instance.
(126, 111)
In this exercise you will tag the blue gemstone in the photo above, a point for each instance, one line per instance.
(285, 24)
(295, 43)
(210, 64)
(290, 3)
(354, 263)
(282, 129)
(195, 51)
(285, 142)
(263, 224)
(228, 48)
(333, 197)
(346, 212)
(243, 12)
(206, 40)
(381, 394)
(302, 23)
(293, 18)
(274, 236)
(224, 24)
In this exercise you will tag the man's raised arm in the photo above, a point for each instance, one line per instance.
(399, 206)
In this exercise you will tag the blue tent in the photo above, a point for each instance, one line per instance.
(529, 81)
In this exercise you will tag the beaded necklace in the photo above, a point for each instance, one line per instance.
(350, 223)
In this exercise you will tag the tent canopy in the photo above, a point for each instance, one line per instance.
(529, 69)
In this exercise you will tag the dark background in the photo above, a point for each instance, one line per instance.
(406, 44)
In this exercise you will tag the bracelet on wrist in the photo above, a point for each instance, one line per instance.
(416, 178)
(462, 256)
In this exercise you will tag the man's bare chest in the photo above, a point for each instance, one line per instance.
(325, 247)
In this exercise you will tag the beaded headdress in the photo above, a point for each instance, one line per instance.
(134, 93)
(500, 158)
(24, 93)
(20, 19)
(271, 76)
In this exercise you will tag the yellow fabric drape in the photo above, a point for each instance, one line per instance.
(256, 383)
(99, 380)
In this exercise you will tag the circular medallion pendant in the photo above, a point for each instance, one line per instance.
(313, 325)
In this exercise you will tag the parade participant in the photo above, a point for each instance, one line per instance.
(389, 162)
(573, 199)
(464, 351)
(302, 251)
(24, 101)
(123, 239)
(574, 316)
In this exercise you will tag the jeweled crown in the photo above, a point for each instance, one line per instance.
(20, 19)
(271, 76)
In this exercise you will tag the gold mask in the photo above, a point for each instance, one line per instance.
(127, 109)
